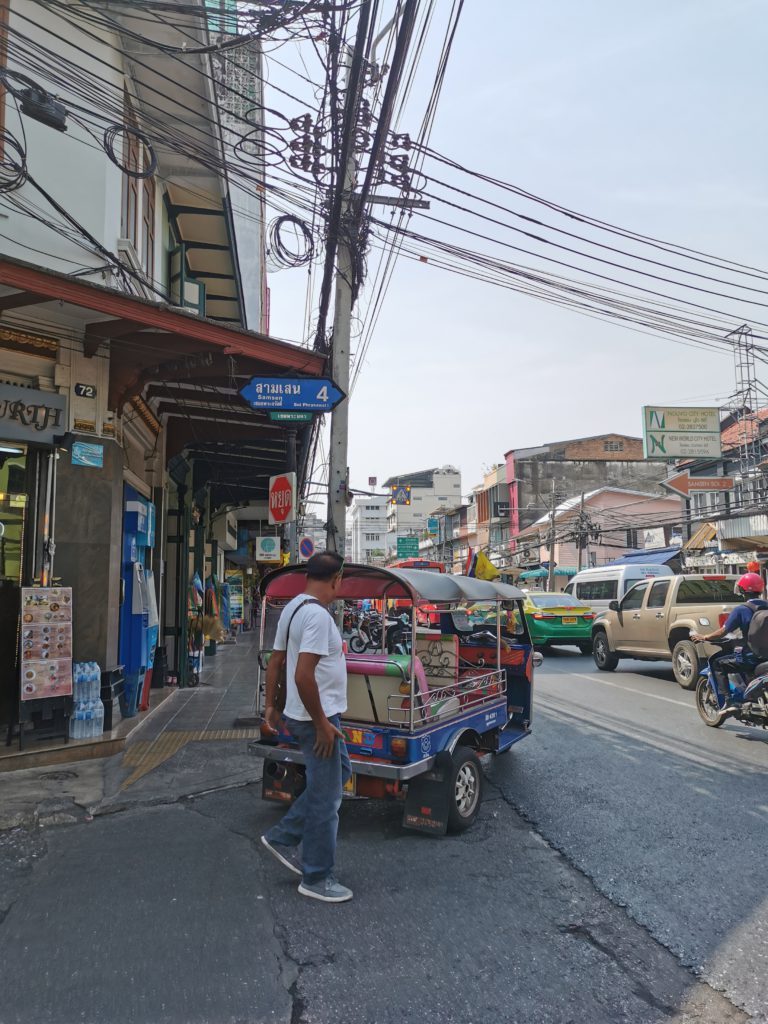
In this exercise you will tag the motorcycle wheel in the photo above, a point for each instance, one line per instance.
(707, 705)
(358, 644)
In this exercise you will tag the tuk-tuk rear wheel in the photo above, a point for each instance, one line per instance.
(465, 791)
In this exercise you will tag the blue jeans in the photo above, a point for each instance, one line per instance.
(313, 819)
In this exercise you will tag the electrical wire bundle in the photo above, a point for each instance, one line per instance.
(283, 254)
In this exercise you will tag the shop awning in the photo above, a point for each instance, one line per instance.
(173, 364)
(648, 556)
(538, 574)
(702, 538)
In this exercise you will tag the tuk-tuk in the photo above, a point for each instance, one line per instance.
(417, 722)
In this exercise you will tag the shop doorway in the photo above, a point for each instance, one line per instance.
(14, 502)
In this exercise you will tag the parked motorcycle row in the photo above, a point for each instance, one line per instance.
(363, 631)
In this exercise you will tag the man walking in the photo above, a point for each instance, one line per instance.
(309, 644)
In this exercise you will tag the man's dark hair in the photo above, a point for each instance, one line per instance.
(324, 566)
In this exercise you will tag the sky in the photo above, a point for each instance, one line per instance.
(645, 115)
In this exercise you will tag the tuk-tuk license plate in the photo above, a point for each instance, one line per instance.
(350, 786)
(569, 620)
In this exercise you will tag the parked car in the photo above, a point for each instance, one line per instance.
(558, 619)
(654, 621)
(598, 587)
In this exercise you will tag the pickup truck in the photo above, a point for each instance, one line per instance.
(654, 619)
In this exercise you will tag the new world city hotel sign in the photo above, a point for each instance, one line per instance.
(681, 432)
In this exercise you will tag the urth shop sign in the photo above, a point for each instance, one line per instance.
(30, 415)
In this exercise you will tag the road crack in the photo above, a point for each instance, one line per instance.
(582, 931)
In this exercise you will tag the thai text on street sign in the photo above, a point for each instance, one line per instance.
(686, 484)
(282, 498)
(681, 432)
(433, 526)
(286, 416)
(407, 547)
(296, 393)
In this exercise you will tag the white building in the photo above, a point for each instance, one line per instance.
(366, 529)
(430, 490)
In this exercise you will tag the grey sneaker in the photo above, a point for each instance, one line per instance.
(287, 855)
(328, 890)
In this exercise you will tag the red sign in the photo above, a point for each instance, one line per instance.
(686, 484)
(282, 498)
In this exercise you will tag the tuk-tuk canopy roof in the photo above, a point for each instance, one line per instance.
(417, 585)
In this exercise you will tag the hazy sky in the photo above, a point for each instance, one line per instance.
(649, 115)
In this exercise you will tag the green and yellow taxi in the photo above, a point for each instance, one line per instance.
(559, 619)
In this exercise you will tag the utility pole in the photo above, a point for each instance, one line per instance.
(293, 539)
(351, 214)
(551, 570)
(582, 532)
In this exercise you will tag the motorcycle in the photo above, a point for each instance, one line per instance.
(748, 700)
(367, 636)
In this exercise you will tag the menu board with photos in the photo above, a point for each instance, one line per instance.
(46, 642)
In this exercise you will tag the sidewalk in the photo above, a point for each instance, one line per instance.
(189, 745)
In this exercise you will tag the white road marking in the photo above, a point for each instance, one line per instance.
(630, 689)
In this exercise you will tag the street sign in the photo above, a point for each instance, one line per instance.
(283, 416)
(401, 494)
(306, 548)
(294, 394)
(407, 547)
(433, 526)
(372, 481)
(686, 484)
(681, 432)
(282, 498)
(267, 549)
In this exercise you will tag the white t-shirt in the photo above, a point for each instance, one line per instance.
(313, 631)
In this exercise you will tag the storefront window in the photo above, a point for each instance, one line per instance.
(13, 503)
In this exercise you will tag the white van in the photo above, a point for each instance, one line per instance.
(598, 587)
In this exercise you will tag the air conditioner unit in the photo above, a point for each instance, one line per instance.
(224, 531)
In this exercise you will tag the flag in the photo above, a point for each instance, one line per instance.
(469, 568)
(484, 567)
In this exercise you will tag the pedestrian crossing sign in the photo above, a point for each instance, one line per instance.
(401, 494)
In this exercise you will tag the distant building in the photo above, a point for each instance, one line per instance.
(430, 490)
(604, 530)
(571, 468)
(367, 528)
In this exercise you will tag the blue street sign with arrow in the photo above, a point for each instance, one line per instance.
(308, 393)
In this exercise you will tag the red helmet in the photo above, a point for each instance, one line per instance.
(751, 583)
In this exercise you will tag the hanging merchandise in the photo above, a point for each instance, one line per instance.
(212, 596)
(226, 618)
(195, 594)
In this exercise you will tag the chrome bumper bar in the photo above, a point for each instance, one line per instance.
(400, 772)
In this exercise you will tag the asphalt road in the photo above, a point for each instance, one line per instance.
(667, 817)
(618, 853)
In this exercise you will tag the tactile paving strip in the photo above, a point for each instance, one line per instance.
(146, 755)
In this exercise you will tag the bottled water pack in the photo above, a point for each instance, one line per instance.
(87, 719)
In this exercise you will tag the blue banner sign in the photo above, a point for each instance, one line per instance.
(303, 393)
(91, 455)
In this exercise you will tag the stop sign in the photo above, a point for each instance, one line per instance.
(282, 498)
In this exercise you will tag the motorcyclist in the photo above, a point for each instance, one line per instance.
(741, 659)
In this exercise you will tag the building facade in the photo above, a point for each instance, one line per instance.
(367, 529)
(430, 490)
(123, 439)
(566, 469)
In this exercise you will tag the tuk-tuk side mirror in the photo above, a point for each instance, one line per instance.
(538, 659)
(614, 606)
